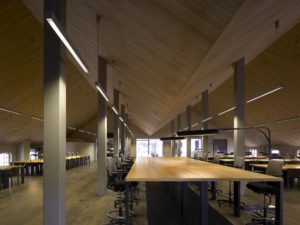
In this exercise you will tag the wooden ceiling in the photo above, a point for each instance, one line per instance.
(164, 53)
(21, 79)
(277, 65)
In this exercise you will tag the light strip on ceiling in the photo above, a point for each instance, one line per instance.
(53, 22)
(265, 94)
(226, 111)
(102, 92)
(10, 111)
(115, 110)
(195, 124)
(207, 119)
(254, 98)
(72, 128)
(37, 118)
(121, 119)
(288, 119)
(82, 131)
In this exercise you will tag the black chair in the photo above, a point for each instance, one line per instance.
(116, 183)
(265, 214)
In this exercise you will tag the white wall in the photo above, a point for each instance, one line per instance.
(133, 147)
(10, 148)
(84, 148)
(167, 151)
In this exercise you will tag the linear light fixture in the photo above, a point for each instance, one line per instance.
(288, 119)
(226, 111)
(254, 98)
(195, 124)
(89, 133)
(101, 90)
(265, 93)
(121, 119)
(82, 131)
(10, 111)
(53, 22)
(72, 128)
(115, 110)
(37, 118)
(207, 119)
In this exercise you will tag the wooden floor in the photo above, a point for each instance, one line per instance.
(22, 205)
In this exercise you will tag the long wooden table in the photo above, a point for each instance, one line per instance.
(35, 167)
(5, 173)
(170, 169)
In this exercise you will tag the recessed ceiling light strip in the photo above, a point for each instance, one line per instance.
(10, 111)
(37, 118)
(53, 22)
(265, 94)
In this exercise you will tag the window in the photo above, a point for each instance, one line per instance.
(196, 145)
(149, 147)
(183, 148)
(5, 159)
(275, 152)
(298, 153)
(34, 154)
(253, 152)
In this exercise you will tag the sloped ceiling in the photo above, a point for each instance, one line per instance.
(277, 65)
(163, 52)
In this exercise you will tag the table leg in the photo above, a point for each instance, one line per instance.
(203, 203)
(279, 203)
(22, 175)
(126, 203)
(237, 198)
(6, 179)
(213, 190)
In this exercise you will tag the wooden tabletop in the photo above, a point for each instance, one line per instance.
(4, 168)
(185, 169)
(246, 160)
(285, 167)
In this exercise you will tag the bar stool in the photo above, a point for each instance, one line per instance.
(117, 184)
(265, 214)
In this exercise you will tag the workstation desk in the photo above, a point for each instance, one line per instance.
(6, 172)
(175, 169)
(289, 171)
(35, 167)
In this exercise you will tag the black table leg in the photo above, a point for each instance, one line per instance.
(279, 203)
(203, 203)
(126, 203)
(237, 198)
(22, 175)
(213, 190)
(6, 179)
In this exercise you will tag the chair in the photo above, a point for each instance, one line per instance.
(261, 214)
(116, 182)
(237, 163)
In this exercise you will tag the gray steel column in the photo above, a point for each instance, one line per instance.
(173, 147)
(189, 125)
(102, 129)
(126, 134)
(205, 144)
(239, 117)
(54, 196)
(179, 141)
(116, 123)
(122, 130)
